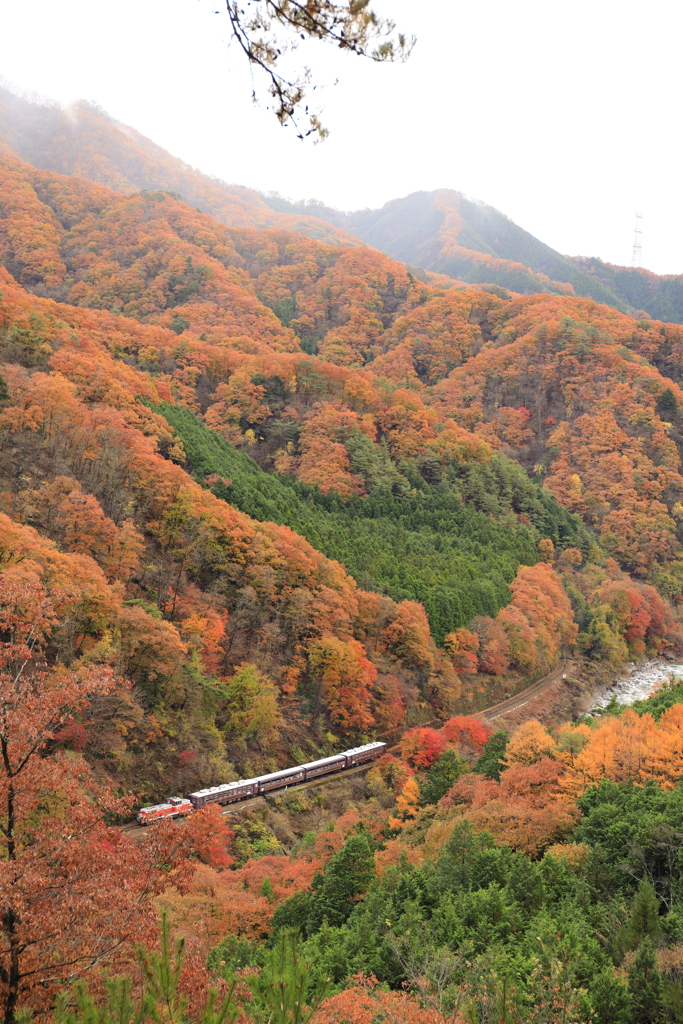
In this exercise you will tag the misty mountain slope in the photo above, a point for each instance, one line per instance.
(444, 231)
(86, 142)
(441, 231)
(660, 296)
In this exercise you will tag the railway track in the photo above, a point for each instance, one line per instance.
(511, 704)
(489, 716)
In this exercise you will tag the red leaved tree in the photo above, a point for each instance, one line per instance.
(421, 747)
(365, 1002)
(464, 731)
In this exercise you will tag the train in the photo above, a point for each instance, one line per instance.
(243, 789)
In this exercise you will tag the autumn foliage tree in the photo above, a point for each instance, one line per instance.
(467, 732)
(527, 809)
(252, 705)
(72, 891)
(346, 676)
(629, 747)
(463, 645)
(407, 804)
(539, 620)
(531, 742)
(218, 904)
(366, 1001)
(420, 747)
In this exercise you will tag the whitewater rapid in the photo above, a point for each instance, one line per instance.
(643, 679)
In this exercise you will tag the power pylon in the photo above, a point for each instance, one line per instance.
(637, 254)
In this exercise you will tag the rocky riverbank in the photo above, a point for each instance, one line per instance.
(639, 681)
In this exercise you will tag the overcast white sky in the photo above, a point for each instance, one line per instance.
(565, 116)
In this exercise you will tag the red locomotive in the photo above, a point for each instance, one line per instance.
(174, 807)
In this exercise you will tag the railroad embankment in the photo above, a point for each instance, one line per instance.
(559, 694)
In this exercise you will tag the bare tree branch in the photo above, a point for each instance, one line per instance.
(268, 30)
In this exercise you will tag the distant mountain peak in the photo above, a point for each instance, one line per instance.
(442, 231)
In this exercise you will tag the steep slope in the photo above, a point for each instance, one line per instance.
(432, 545)
(86, 142)
(249, 370)
(178, 589)
(327, 425)
(173, 587)
(381, 449)
(570, 389)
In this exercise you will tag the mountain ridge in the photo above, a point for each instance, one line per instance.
(447, 232)
(442, 232)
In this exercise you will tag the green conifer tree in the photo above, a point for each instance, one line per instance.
(673, 999)
(443, 774)
(283, 991)
(347, 877)
(294, 913)
(610, 1000)
(489, 762)
(645, 921)
(267, 889)
(667, 406)
(645, 986)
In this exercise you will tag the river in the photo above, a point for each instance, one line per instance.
(641, 680)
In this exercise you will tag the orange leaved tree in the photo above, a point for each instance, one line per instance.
(345, 676)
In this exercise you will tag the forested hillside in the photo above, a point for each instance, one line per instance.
(266, 496)
(441, 232)
(446, 232)
(385, 412)
(660, 296)
(429, 543)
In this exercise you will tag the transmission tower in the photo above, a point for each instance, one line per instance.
(637, 254)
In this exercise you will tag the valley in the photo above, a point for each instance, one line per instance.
(276, 482)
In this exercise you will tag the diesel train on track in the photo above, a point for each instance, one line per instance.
(243, 789)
